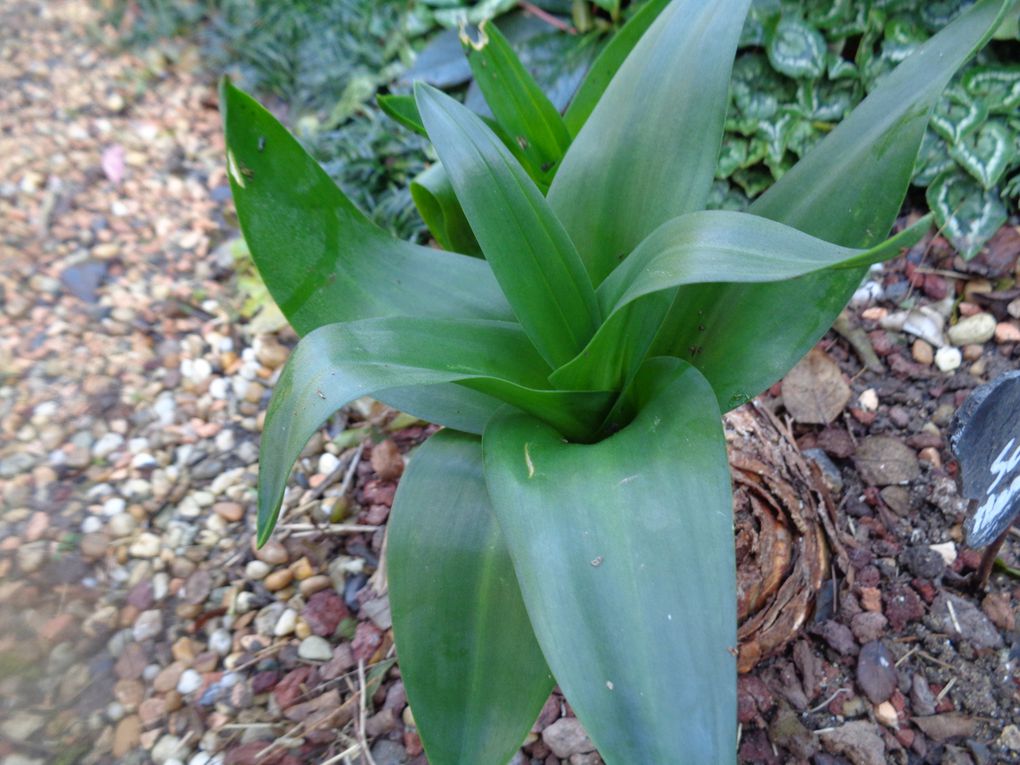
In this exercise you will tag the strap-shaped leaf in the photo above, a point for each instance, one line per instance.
(338, 363)
(608, 62)
(519, 105)
(321, 258)
(705, 247)
(402, 109)
(531, 255)
(439, 208)
(848, 189)
(474, 673)
(647, 153)
(632, 538)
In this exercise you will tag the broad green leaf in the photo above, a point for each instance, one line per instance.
(647, 153)
(699, 248)
(321, 258)
(338, 363)
(531, 255)
(519, 105)
(631, 537)
(796, 49)
(403, 110)
(438, 206)
(475, 676)
(987, 152)
(957, 115)
(968, 214)
(607, 64)
(848, 189)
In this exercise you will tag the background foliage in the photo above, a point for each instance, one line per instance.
(802, 65)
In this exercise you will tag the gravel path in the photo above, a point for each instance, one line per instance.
(137, 623)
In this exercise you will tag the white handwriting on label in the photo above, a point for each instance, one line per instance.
(995, 503)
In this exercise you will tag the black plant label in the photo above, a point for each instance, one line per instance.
(986, 441)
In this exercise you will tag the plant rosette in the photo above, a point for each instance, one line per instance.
(573, 522)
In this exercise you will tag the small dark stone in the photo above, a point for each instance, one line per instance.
(923, 562)
(902, 606)
(83, 279)
(839, 637)
(876, 672)
(324, 611)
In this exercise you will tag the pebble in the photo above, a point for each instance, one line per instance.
(948, 359)
(189, 682)
(273, 553)
(922, 352)
(167, 748)
(220, 642)
(229, 511)
(567, 737)
(975, 329)
(315, 648)
(328, 463)
(257, 570)
(148, 625)
(279, 579)
(147, 545)
(285, 623)
(121, 525)
(314, 584)
(1007, 332)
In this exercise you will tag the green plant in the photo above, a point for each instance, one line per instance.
(803, 66)
(574, 521)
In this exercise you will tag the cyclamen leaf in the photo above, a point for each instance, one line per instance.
(623, 533)
(519, 105)
(474, 673)
(957, 115)
(531, 255)
(796, 49)
(647, 153)
(321, 258)
(986, 153)
(337, 363)
(932, 160)
(968, 214)
(996, 86)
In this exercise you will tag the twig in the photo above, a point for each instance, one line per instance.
(933, 660)
(330, 528)
(952, 617)
(907, 655)
(942, 694)
(828, 701)
(363, 712)
(548, 18)
(344, 754)
(859, 341)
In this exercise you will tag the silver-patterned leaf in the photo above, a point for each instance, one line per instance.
(996, 86)
(755, 88)
(932, 160)
(957, 115)
(937, 13)
(828, 101)
(968, 214)
(796, 49)
(732, 156)
(902, 37)
(986, 153)
(839, 68)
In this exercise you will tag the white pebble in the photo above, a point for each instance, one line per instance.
(189, 682)
(286, 623)
(220, 642)
(328, 463)
(948, 358)
(114, 506)
(315, 648)
(107, 445)
(219, 388)
(256, 570)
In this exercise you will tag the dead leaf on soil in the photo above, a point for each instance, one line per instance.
(814, 391)
(884, 461)
(946, 726)
(860, 741)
